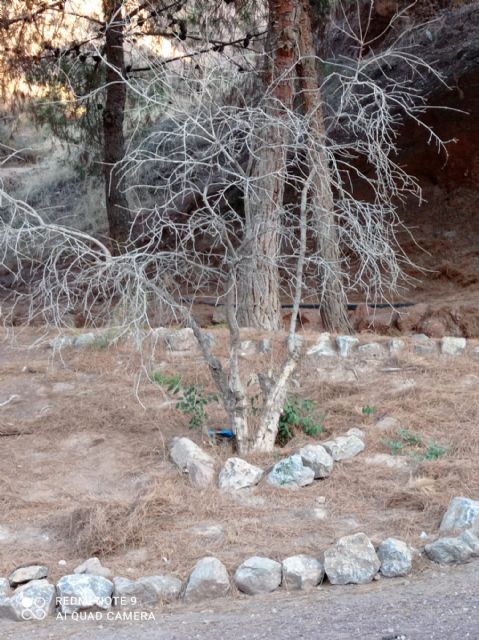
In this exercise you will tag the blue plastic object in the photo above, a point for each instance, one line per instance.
(222, 433)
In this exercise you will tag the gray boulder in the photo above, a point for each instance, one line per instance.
(238, 474)
(302, 572)
(323, 347)
(318, 459)
(82, 591)
(423, 345)
(209, 579)
(396, 558)
(344, 447)
(26, 574)
(371, 350)
(453, 346)
(131, 594)
(33, 601)
(93, 567)
(191, 459)
(258, 575)
(168, 588)
(457, 550)
(345, 345)
(462, 513)
(352, 560)
(181, 340)
(290, 473)
(4, 587)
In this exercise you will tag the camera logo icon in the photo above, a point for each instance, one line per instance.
(34, 608)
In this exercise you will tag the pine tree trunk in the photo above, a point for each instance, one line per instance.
(333, 297)
(258, 285)
(113, 118)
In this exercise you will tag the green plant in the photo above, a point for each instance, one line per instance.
(434, 451)
(368, 411)
(408, 440)
(297, 414)
(193, 404)
(171, 383)
(396, 446)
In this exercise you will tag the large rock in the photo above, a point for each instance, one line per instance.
(456, 550)
(396, 558)
(352, 560)
(209, 579)
(181, 340)
(344, 447)
(168, 588)
(81, 591)
(290, 473)
(258, 575)
(132, 594)
(372, 350)
(4, 587)
(345, 345)
(26, 574)
(238, 474)
(33, 601)
(191, 459)
(452, 346)
(423, 345)
(93, 567)
(318, 459)
(323, 347)
(462, 513)
(302, 572)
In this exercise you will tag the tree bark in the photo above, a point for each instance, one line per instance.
(258, 286)
(332, 295)
(113, 119)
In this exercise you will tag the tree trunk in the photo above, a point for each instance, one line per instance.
(333, 297)
(258, 286)
(113, 118)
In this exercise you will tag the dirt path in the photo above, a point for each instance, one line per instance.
(442, 605)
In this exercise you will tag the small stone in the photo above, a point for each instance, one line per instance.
(345, 345)
(318, 459)
(238, 474)
(453, 346)
(26, 574)
(93, 567)
(264, 345)
(387, 422)
(423, 345)
(247, 348)
(258, 575)
(462, 513)
(82, 591)
(33, 601)
(371, 350)
(344, 447)
(302, 572)
(323, 347)
(455, 550)
(209, 579)
(396, 345)
(168, 588)
(395, 557)
(355, 431)
(290, 473)
(352, 560)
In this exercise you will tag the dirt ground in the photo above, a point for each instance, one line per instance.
(84, 467)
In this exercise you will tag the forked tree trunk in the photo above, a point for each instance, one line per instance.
(258, 285)
(333, 297)
(113, 119)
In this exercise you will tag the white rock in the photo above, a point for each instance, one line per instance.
(423, 345)
(82, 591)
(396, 345)
(462, 513)
(26, 574)
(396, 558)
(453, 346)
(352, 560)
(168, 588)
(191, 459)
(355, 431)
(93, 567)
(209, 579)
(344, 447)
(318, 459)
(4, 587)
(33, 601)
(258, 575)
(238, 474)
(181, 340)
(371, 350)
(264, 345)
(290, 473)
(247, 348)
(302, 572)
(345, 345)
(323, 347)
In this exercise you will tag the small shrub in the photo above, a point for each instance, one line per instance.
(434, 451)
(411, 444)
(297, 415)
(193, 400)
(368, 411)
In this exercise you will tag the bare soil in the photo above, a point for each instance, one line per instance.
(84, 467)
